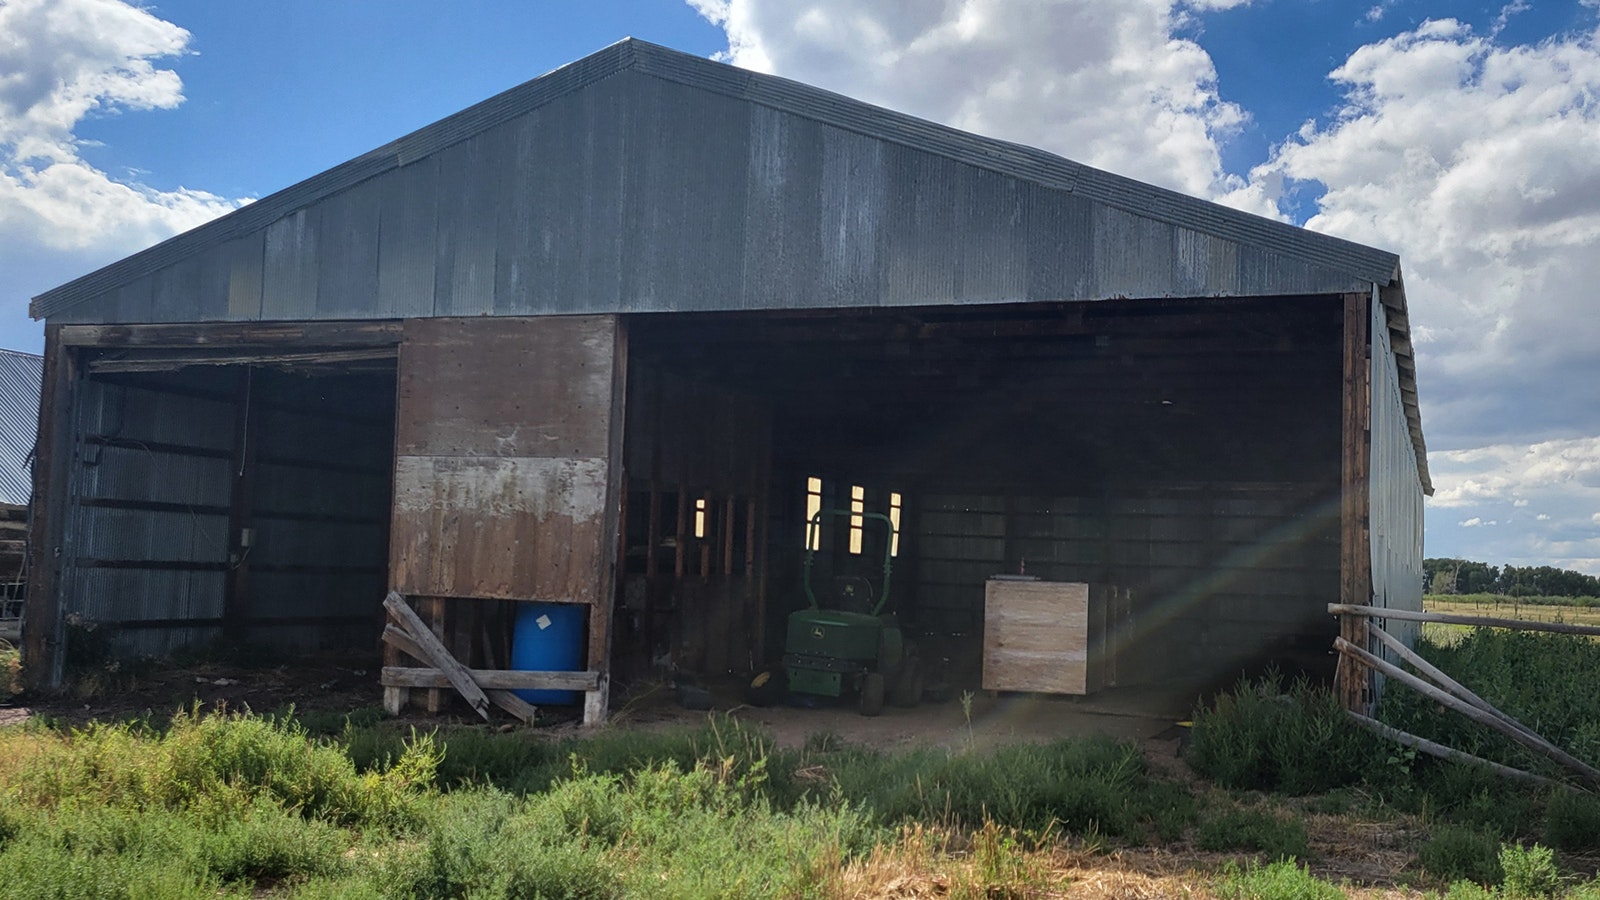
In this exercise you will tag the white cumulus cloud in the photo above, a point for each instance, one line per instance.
(62, 61)
(1114, 85)
(1478, 162)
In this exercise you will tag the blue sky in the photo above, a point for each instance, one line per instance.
(1463, 135)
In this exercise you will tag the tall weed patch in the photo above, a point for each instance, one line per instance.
(1295, 739)
(215, 765)
(1091, 787)
(1545, 681)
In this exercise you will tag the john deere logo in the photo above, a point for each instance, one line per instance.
(817, 632)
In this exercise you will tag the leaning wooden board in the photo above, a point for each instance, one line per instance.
(1051, 637)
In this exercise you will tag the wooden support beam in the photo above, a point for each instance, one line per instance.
(1355, 557)
(166, 363)
(362, 333)
(43, 650)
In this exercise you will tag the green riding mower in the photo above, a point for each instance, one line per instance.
(843, 642)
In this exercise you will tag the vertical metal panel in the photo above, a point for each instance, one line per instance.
(180, 290)
(347, 253)
(990, 241)
(408, 240)
(684, 230)
(1133, 255)
(164, 449)
(782, 209)
(504, 447)
(1204, 265)
(560, 243)
(920, 259)
(289, 278)
(853, 213)
(1395, 487)
(245, 257)
(133, 301)
(1059, 253)
(469, 196)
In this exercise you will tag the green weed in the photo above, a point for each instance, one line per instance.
(1255, 830)
(1283, 880)
(1572, 821)
(1453, 853)
(1529, 871)
(1293, 739)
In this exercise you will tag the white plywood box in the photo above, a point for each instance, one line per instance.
(1048, 636)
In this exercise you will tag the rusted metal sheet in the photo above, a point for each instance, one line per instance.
(503, 471)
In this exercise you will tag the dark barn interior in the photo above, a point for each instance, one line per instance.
(235, 501)
(1185, 449)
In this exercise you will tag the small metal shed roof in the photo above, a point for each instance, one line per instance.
(20, 374)
(642, 179)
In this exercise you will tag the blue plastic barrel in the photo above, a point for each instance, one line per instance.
(549, 638)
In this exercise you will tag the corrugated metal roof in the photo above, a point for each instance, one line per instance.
(920, 214)
(20, 374)
(1038, 166)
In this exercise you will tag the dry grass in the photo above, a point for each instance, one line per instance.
(1510, 608)
(10, 671)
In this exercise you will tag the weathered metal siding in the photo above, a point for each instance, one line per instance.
(319, 512)
(643, 194)
(146, 537)
(1394, 484)
(19, 423)
(503, 448)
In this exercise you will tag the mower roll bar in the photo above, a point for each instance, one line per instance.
(814, 527)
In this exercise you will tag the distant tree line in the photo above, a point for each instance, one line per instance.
(1463, 576)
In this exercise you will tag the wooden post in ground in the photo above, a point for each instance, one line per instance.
(1355, 555)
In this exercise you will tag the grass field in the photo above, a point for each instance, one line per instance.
(1537, 609)
(1532, 609)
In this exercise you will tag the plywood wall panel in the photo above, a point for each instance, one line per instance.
(503, 470)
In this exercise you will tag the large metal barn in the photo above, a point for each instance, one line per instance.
(608, 338)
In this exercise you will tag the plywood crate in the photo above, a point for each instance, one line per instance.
(1051, 637)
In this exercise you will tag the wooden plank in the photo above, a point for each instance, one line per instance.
(364, 333)
(403, 678)
(41, 648)
(1036, 637)
(513, 704)
(1408, 615)
(459, 677)
(436, 617)
(491, 679)
(1520, 735)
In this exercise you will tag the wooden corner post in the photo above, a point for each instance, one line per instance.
(1355, 554)
(597, 702)
(42, 649)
